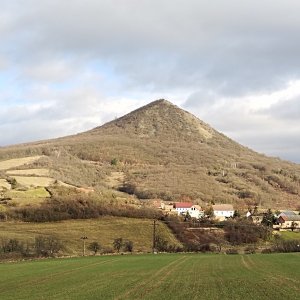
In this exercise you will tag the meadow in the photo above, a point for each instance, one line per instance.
(161, 276)
(102, 230)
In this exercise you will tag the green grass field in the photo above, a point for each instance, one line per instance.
(163, 276)
(290, 235)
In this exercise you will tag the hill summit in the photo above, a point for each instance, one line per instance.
(158, 119)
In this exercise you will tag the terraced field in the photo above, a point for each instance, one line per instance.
(37, 172)
(163, 276)
(17, 162)
(32, 181)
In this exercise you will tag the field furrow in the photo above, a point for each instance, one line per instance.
(163, 276)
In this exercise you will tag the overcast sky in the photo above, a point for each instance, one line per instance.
(70, 65)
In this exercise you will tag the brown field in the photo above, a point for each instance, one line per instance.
(36, 172)
(17, 162)
(103, 230)
(31, 181)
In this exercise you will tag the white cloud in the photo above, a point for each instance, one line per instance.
(268, 122)
(79, 63)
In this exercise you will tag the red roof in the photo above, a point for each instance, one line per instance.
(183, 204)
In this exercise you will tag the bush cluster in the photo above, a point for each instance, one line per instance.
(43, 246)
(245, 232)
(286, 246)
(78, 207)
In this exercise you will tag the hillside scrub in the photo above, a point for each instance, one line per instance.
(286, 246)
(245, 232)
(165, 152)
(193, 234)
(79, 207)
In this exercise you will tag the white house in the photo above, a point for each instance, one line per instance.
(182, 207)
(193, 210)
(196, 211)
(223, 211)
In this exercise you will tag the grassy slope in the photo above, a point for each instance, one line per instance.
(178, 276)
(33, 196)
(103, 230)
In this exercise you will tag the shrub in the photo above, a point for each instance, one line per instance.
(94, 247)
(244, 232)
(232, 251)
(114, 162)
(12, 245)
(117, 244)
(128, 246)
(287, 246)
(107, 250)
(128, 188)
(266, 251)
(245, 194)
(47, 246)
(13, 182)
(250, 250)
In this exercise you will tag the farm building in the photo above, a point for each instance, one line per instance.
(223, 211)
(169, 207)
(182, 207)
(289, 222)
(287, 213)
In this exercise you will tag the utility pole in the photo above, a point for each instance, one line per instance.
(83, 238)
(154, 236)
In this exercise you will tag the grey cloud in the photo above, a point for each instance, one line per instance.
(279, 143)
(286, 110)
(50, 71)
(272, 131)
(232, 47)
(203, 99)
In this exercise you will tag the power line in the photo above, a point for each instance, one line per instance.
(83, 238)
(154, 236)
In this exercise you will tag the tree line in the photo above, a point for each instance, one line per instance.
(51, 246)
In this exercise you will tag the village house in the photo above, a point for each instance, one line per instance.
(167, 206)
(287, 213)
(182, 207)
(223, 211)
(289, 222)
(257, 219)
(196, 211)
